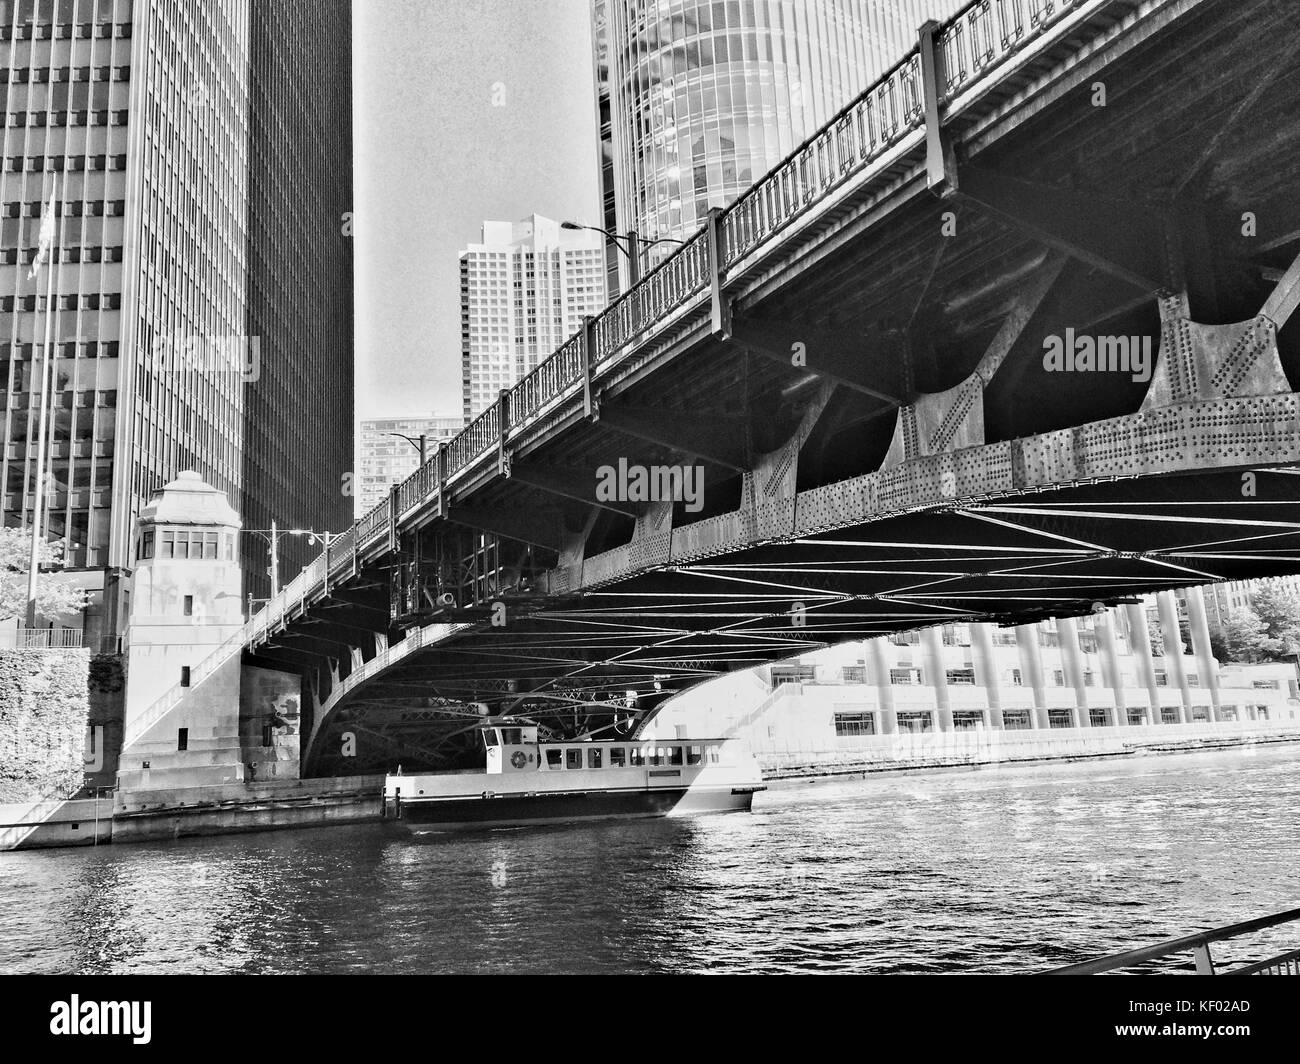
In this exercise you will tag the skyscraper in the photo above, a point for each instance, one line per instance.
(202, 314)
(523, 291)
(386, 458)
(698, 99)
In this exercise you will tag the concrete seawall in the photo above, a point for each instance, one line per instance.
(981, 746)
(143, 816)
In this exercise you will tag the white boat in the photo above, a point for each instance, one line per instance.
(524, 781)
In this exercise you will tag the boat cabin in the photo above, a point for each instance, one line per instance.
(514, 748)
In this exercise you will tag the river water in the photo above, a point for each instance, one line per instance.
(1010, 869)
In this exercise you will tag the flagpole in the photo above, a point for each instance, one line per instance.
(39, 502)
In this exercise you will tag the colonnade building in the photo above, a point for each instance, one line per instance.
(1144, 664)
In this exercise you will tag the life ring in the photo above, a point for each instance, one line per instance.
(518, 759)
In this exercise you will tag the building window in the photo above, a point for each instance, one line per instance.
(793, 674)
(854, 724)
(1059, 718)
(1201, 713)
(1058, 677)
(967, 719)
(185, 676)
(1136, 716)
(1089, 678)
(188, 606)
(1168, 715)
(903, 676)
(1017, 680)
(1162, 678)
(915, 722)
(268, 735)
(961, 676)
(1098, 718)
(854, 674)
(183, 739)
(1193, 680)
(1016, 720)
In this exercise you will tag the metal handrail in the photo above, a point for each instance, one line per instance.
(1200, 943)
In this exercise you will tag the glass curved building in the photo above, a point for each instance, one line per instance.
(698, 99)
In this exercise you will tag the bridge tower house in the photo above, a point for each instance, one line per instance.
(188, 721)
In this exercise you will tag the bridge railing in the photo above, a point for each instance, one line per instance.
(968, 46)
(552, 378)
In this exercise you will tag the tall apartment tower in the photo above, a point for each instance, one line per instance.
(202, 317)
(698, 99)
(388, 449)
(524, 291)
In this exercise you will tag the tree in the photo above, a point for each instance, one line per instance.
(1241, 638)
(1279, 611)
(53, 599)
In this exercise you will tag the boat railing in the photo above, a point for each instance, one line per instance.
(1199, 945)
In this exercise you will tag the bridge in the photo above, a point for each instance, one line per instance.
(1009, 337)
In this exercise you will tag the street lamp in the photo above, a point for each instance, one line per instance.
(271, 536)
(635, 246)
(420, 444)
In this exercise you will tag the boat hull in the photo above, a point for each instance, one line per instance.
(504, 810)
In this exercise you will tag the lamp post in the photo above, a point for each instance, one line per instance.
(420, 445)
(271, 536)
(635, 245)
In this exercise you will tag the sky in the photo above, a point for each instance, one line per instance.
(465, 111)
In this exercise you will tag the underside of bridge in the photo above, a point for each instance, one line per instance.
(1141, 192)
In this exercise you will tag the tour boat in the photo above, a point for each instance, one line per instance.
(525, 781)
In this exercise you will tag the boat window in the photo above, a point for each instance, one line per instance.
(636, 755)
(554, 758)
(617, 757)
(593, 757)
(674, 755)
(694, 755)
(490, 737)
(510, 736)
(657, 754)
(713, 755)
(574, 759)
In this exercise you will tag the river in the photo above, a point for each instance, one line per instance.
(1008, 869)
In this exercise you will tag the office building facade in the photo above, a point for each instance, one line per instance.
(524, 290)
(388, 452)
(698, 99)
(202, 312)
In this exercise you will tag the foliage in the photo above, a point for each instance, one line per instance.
(43, 714)
(1266, 630)
(53, 598)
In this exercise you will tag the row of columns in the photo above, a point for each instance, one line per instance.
(934, 672)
